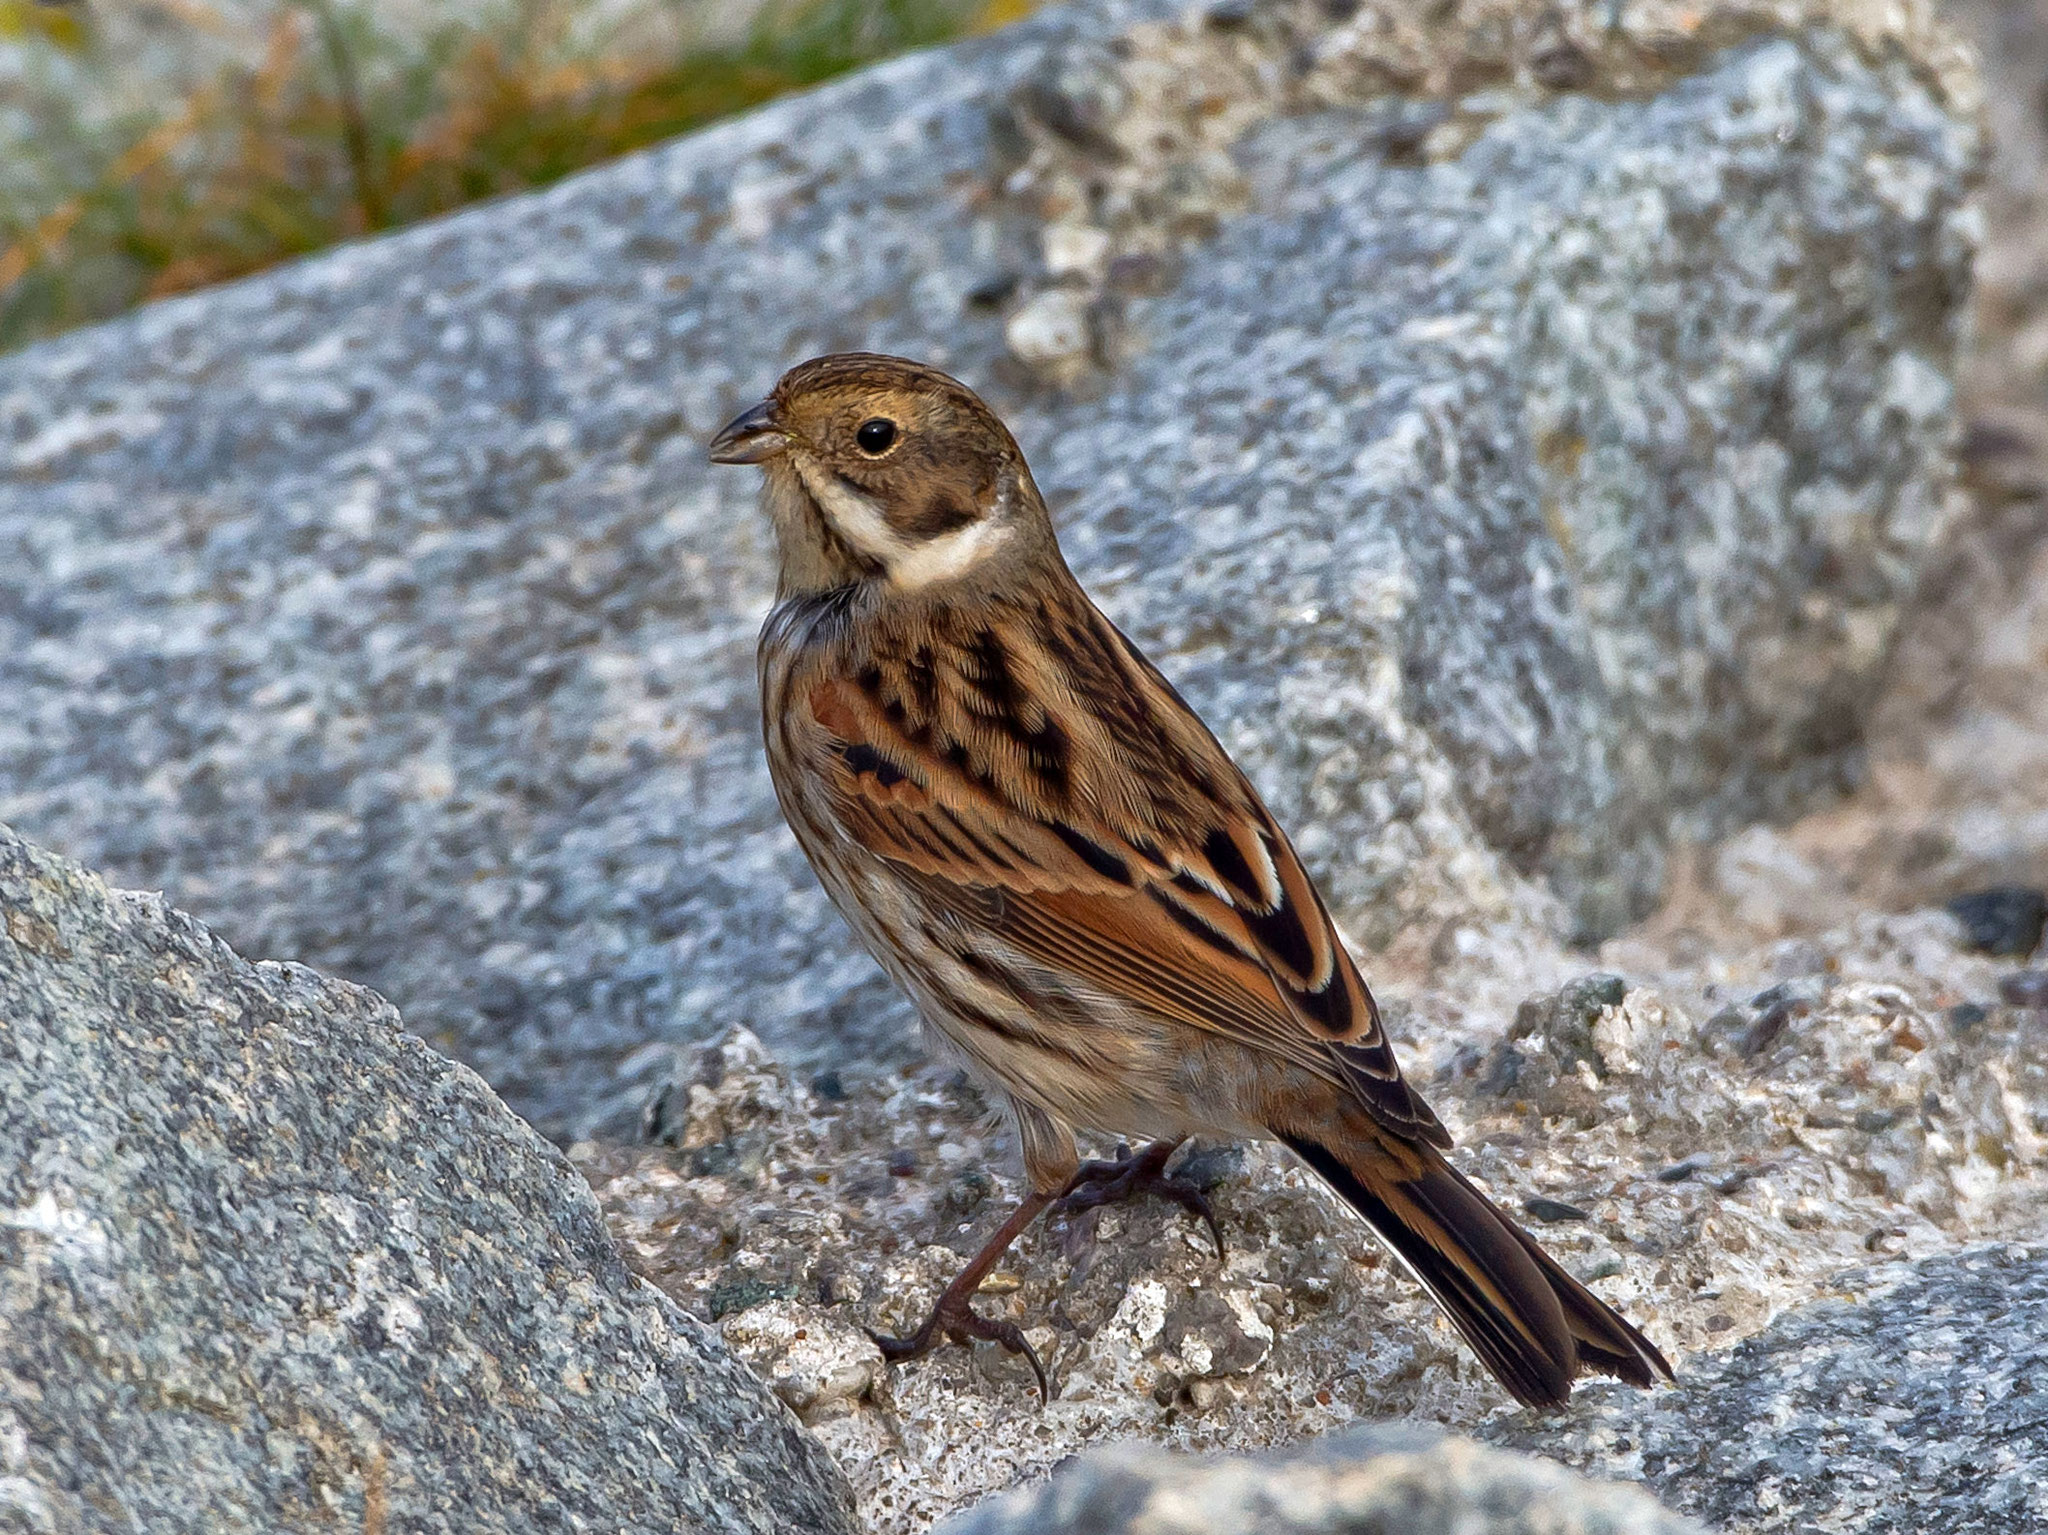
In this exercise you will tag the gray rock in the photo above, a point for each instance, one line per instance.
(1514, 487)
(1404, 1479)
(268, 1263)
(1717, 1194)
(1909, 1402)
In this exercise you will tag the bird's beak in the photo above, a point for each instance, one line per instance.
(750, 437)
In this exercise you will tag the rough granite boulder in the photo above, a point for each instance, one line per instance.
(1906, 1401)
(269, 1263)
(1394, 1480)
(1517, 430)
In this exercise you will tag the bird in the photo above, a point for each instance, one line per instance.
(1087, 901)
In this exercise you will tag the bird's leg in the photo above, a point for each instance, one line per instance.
(1131, 1174)
(954, 1320)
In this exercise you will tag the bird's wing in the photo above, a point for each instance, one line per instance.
(1042, 782)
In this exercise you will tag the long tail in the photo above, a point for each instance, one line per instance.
(1530, 1322)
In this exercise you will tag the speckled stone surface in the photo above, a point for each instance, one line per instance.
(1911, 1400)
(1711, 1142)
(1515, 477)
(268, 1263)
(1392, 1480)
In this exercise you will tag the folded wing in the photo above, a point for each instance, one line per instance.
(1080, 812)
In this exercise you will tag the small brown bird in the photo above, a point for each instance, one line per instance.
(1050, 853)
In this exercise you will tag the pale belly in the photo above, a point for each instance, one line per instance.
(1086, 1060)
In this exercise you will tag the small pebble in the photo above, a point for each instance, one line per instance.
(2024, 988)
(1554, 1210)
(992, 290)
(1204, 1394)
(1503, 1071)
(2005, 920)
(1562, 66)
(1761, 1035)
(1800, 959)
(1077, 96)
(857, 1187)
(1678, 1172)
(968, 1192)
(1800, 991)
(1079, 250)
(665, 1118)
(1965, 1016)
(836, 1288)
(710, 1161)
(826, 1085)
(1208, 1166)
(1051, 330)
(1600, 989)
(902, 1164)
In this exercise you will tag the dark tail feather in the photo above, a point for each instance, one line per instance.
(1608, 1344)
(1533, 1325)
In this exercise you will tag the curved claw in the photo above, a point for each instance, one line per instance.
(956, 1321)
(964, 1326)
(895, 1350)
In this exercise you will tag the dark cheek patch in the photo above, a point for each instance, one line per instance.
(938, 515)
(937, 485)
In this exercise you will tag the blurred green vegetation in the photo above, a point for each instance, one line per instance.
(335, 127)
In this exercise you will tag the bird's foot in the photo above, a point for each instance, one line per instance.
(953, 1320)
(1130, 1174)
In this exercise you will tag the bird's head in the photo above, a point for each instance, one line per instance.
(880, 469)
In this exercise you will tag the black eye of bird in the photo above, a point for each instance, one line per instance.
(876, 435)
